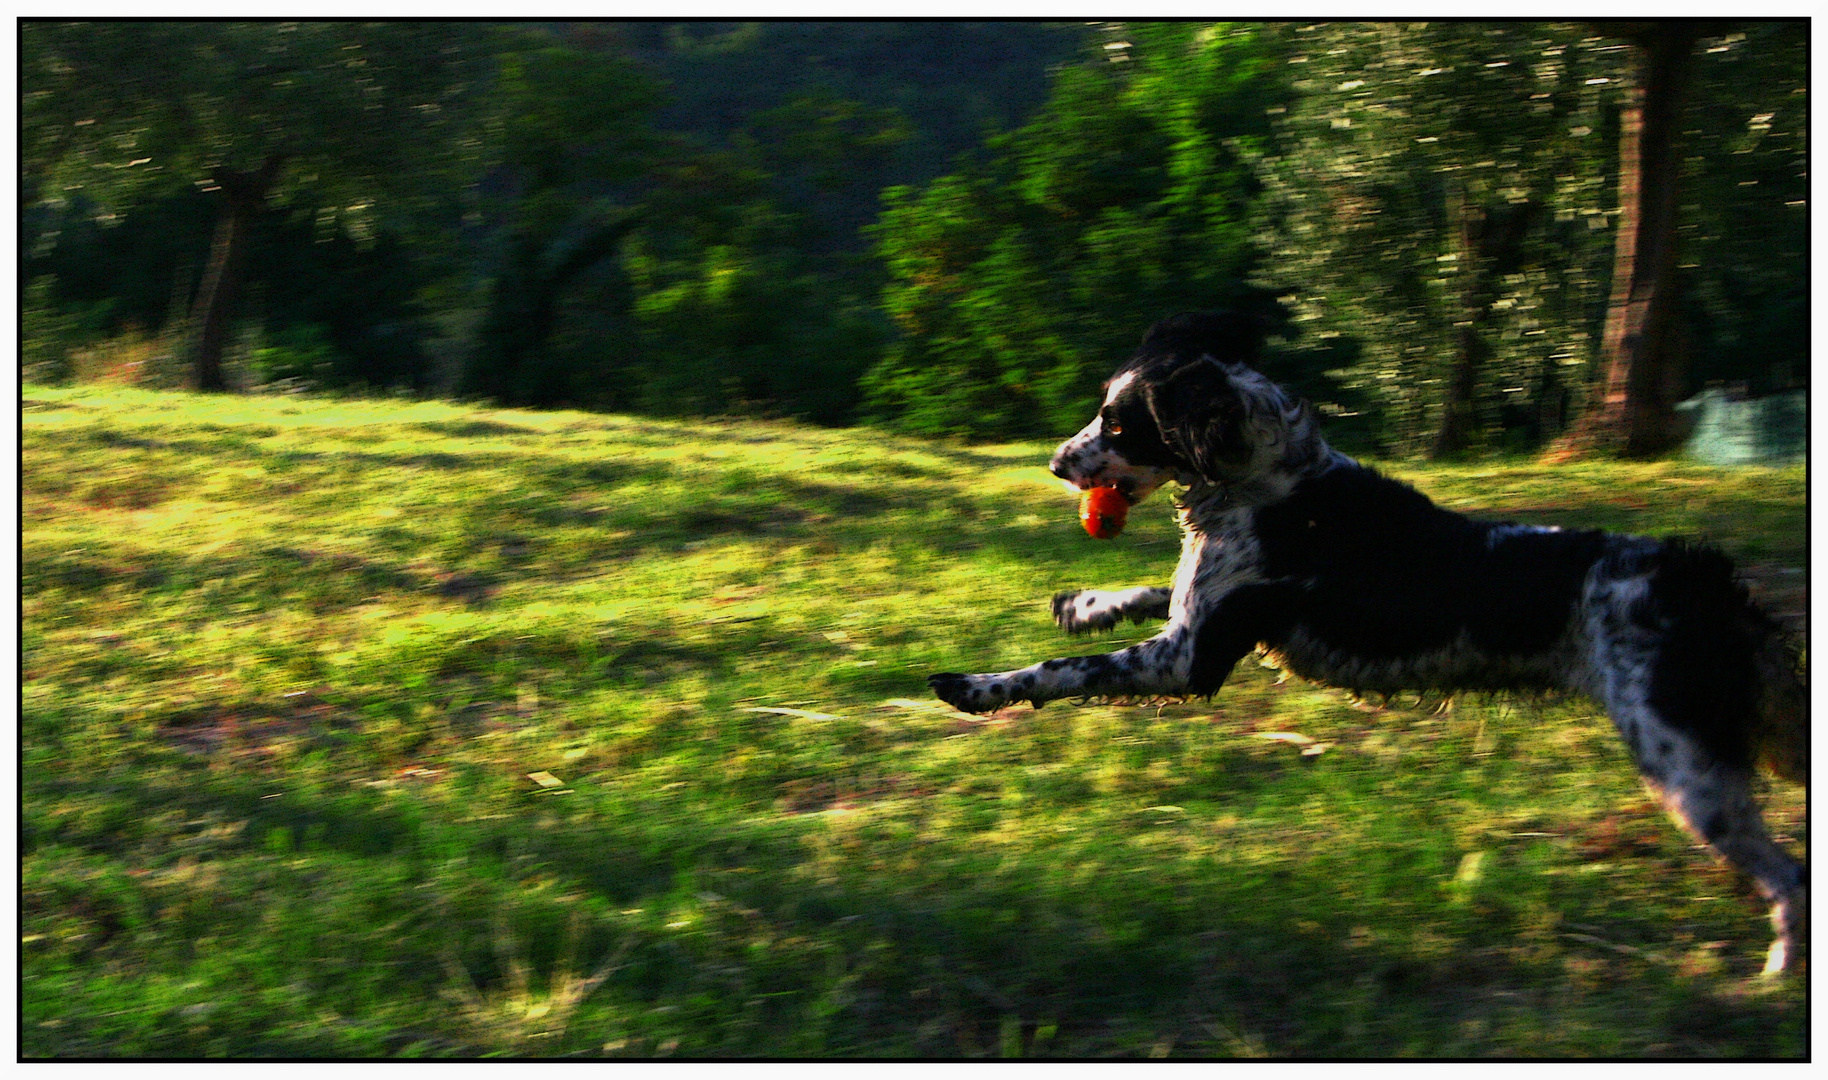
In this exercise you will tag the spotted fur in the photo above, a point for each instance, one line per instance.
(1351, 579)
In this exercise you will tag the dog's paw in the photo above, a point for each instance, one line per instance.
(970, 693)
(1084, 611)
(1790, 915)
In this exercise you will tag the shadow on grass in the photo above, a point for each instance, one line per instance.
(323, 580)
(848, 934)
(473, 429)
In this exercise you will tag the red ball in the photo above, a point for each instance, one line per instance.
(1102, 511)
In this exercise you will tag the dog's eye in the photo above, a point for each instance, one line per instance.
(1112, 427)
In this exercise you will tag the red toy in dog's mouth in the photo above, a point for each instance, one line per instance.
(1102, 511)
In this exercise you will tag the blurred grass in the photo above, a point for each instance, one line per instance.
(386, 728)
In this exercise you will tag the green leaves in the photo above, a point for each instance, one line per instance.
(570, 115)
(1411, 147)
(355, 106)
(1019, 282)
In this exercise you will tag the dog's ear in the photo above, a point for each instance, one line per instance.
(1201, 418)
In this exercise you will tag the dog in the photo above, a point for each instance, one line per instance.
(1354, 580)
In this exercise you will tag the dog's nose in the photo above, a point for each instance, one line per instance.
(1058, 465)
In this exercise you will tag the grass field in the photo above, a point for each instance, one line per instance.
(386, 728)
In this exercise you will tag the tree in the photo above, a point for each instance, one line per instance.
(1641, 344)
(903, 98)
(341, 116)
(1018, 281)
(1491, 223)
(1646, 340)
(571, 138)
(1430, 207)
(639, 269)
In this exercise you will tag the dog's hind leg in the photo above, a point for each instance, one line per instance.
(1716, 806)
(1099, 609)
(1679, 678)
(1712, 800)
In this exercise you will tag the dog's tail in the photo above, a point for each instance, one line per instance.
(1780, 731)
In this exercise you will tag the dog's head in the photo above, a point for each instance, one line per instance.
(1188, 407)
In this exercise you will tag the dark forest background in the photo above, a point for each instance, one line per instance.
(945, 228)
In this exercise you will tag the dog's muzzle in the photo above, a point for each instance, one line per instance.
(1086, 462)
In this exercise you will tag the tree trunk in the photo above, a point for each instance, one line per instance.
(1458, 408)
(244, 195)
(1644, 370)
(1490, 243)
(522, 309)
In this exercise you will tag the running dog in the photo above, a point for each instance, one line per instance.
(1351, 579)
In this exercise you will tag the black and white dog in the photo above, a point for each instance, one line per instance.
(1354, 580)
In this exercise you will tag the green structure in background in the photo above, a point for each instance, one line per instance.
(1730, 430)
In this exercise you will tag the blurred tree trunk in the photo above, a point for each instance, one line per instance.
(523, 307)
(1644, 360)
(1458, 409)
(244, 196)
(1489, 242)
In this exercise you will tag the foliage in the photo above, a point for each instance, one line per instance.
(361, 110)
(300, 355)
(383, 728)
(1016, 283)
(571, 138)
(736, 313)
(50, 332)
(951, 227)
(743, 325)
(839, 110)
(332, 120)
(1747, 190)
(139, 270)
(733, 288)
(1399, 131)
(1400, 139)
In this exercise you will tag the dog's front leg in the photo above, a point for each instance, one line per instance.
(1100, 609)
(1153, 668)
(1192, 655)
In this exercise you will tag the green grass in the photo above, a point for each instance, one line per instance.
(387, 728)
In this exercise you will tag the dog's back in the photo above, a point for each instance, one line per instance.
(1397, 593)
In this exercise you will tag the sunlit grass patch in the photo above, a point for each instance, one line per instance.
(385, 727)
